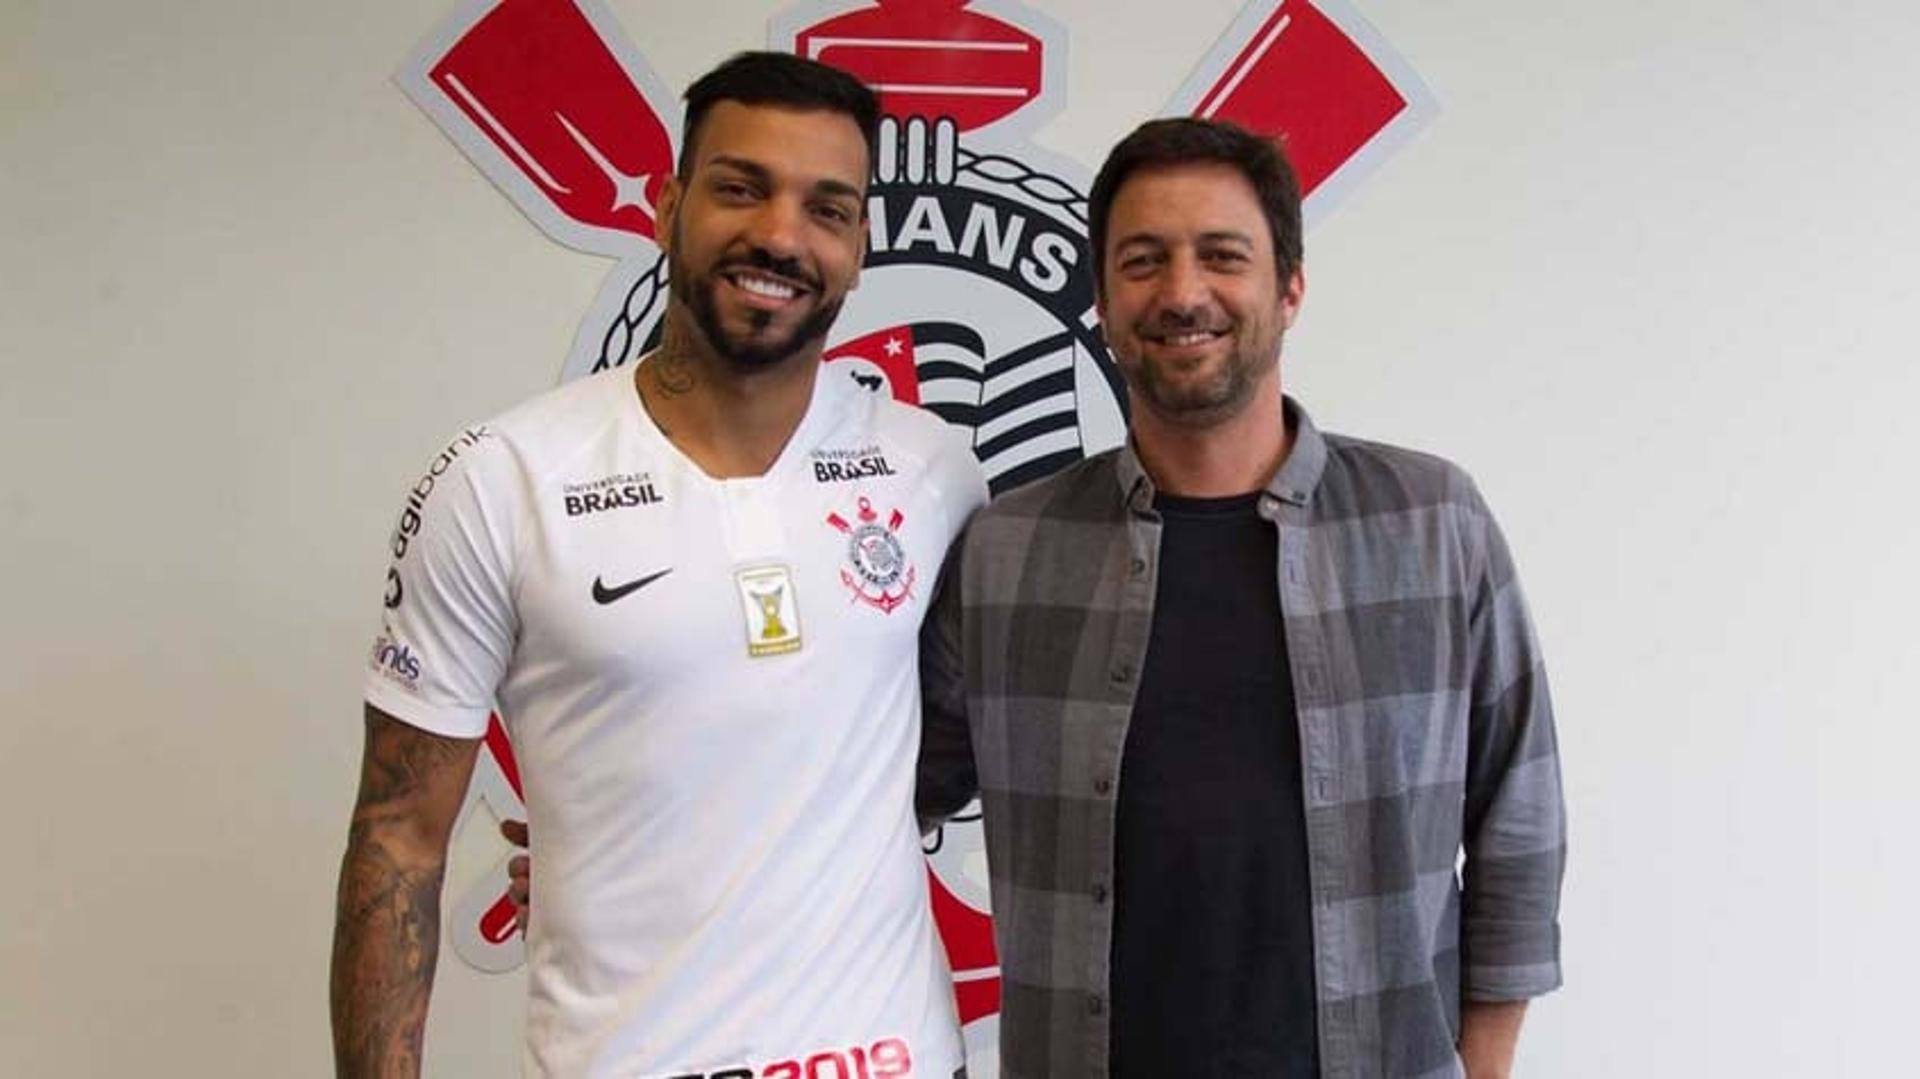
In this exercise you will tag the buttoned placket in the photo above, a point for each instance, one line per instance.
(1289, 510)
(1135, 568)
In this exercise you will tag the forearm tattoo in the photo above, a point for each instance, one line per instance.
(385, 946)
(387, 921)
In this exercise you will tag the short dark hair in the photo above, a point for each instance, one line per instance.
(1186, 141)
(779, 78)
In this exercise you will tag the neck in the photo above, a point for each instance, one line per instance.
(730, 421)
(1221, 457)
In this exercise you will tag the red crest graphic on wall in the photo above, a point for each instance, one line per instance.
(932, 58)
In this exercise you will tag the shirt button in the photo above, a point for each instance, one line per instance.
(1103, 785)
(1099, 893)
(1138, 567)
(1123, 673)
(1096, 1006)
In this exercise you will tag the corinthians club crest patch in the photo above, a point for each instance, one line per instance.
(877, 571)
(976, 301)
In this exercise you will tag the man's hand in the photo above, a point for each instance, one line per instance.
(1489, 1033)
(386, 929)
(519, 873)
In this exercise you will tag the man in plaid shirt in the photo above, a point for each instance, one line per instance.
(1255, 713)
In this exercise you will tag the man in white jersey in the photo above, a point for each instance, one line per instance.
(693, 591)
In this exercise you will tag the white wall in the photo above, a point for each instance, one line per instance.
(1650, 274)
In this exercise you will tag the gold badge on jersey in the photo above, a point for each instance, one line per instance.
(771, 609)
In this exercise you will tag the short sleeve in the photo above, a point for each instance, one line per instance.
(448, 627)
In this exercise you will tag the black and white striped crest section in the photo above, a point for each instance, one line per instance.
(1020, 406)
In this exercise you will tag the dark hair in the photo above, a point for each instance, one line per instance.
(1184, 141)
(779, 78)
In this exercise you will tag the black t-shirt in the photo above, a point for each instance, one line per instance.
(1213, 938)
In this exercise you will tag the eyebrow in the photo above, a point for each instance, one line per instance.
(838, 188)
(1215, 236)
(1227, 236)
(757, 171)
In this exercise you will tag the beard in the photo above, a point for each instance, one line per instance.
(1221, 394)
(697, 294)
(1178, 397)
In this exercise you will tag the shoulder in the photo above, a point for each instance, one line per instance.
(542, 433)
(486, 474)
(556, 421)
(914, 429)
(1074, 505)
(1374, 492)
(1088, 489)
(916, 441)
(1364, 478)
(1054, 534)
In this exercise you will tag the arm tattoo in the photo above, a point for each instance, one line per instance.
(380, 1000)
(387, 922)
(401, 763)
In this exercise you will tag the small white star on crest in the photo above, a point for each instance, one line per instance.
(628, 189)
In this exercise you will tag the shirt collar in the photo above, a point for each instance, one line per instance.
(1294, 483)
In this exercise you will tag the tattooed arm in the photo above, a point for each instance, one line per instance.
(386, 929)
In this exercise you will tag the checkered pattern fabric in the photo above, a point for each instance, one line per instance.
(1435, 822)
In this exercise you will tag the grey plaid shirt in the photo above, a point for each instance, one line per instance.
(1424, 722)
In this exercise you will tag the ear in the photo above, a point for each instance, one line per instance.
(663, 214)
(865, 234)
(1291, 294)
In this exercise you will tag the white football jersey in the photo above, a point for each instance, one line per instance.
(712, 691)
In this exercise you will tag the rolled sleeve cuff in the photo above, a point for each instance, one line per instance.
(1530, 966)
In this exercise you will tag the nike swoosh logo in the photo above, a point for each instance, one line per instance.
(604, 595)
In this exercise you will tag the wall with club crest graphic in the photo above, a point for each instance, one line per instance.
(1645, 271)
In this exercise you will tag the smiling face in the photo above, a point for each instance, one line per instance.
(1192, 303)
(765, 233)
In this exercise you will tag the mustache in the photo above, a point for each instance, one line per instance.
(1180, 320)
(759, 258)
